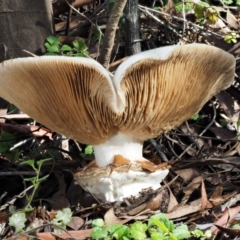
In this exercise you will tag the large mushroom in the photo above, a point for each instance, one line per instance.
(150, 93)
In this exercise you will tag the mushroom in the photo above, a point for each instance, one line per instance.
(150, 93)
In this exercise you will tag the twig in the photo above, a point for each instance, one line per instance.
(68, 19)
(108, 41)
(208, 126)
(21, 195)
(25, 173)
(133, 45)
(205, 137)
(158, 149)
(205, 30)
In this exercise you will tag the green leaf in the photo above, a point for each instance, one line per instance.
(199, 10)
(29, 162)
(113, 228)
(195, 117)
(99, 233)
(53, 40)
(32, 179)
(53, 48)
(89, 149)
(43, 178)
(66, 48)
(17, 220)
(208, 234)
(187, 7)
(119, 233)
(162, 222)
(197, 233)
(212, 15)
(59, 229)
(157, 236)
(203, 4)
(228, 2)
(64, 216)
(181, 232)
(137, 230)
(98, 223)
(41, 162)
(231, 37)
(79, 45)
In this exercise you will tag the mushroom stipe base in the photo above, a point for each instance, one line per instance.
(121, 179)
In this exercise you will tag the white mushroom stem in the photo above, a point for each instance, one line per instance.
(114, 185)
(120, 144)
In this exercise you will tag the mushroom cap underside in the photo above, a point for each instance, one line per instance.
(149, 94)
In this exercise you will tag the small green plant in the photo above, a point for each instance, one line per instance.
(7, 141)
(88, 151)
(36, 180)
(96, 36)
(231, 37)
(55, 47)
(203, 12)
(231, 2)
(62, 218)
(195, 117)
(158, 227)
(18, 221)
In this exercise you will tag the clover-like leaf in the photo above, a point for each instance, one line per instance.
(17, 220)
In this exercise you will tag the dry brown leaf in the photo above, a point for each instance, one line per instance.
(181, 211)
(188, 190)
(111, 218)
(187, 174)
(226, 217)
(41, 132)
(172, 201)
(204, 197)
(170, 7)
(231, 20)
(155, 203)
(238, 148)
(217, 198)
(75, 223)
(76, 235)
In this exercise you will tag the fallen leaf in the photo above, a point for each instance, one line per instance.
(231, 20)
(75, 223)
(226, 218)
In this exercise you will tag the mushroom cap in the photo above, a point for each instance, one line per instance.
(72, 96)
(151, 92)
(166, 86)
